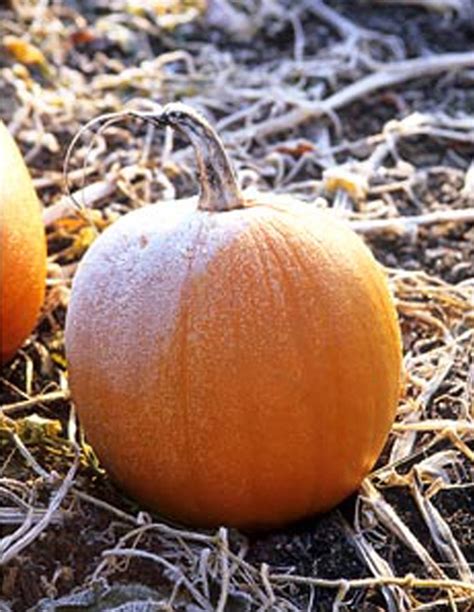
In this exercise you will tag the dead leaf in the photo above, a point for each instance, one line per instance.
(24, 52)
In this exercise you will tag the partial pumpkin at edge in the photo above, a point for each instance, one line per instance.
(22, 248)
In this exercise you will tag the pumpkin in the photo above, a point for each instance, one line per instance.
(22, 248)
(234, 358)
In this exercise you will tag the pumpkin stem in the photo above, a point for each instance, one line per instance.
(219, 188)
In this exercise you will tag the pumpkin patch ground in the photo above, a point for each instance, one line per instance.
(367, 110)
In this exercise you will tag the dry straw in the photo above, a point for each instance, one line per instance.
(49, 473)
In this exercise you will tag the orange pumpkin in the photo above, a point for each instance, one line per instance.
(233, 359)
(22, 249)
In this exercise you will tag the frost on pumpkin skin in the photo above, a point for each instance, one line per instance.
(137, 269)
(242, 320)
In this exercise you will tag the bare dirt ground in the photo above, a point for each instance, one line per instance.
(364, 107)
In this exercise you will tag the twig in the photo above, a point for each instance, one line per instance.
(441, 6)
(45, 398)
(394, 596)
(224, 562)
(173, 569)
(264, 576)
(389, 518)
(14, 516)
(344, 27)
(388, 75)
(404, 225)
(440, 532)
(7, 553)
(29, 458)
(409, 581)
(436, 425)
(88, 196)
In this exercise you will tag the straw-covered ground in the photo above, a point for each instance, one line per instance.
(366, 107)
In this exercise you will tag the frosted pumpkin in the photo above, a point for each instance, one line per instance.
(22, 249)
(233, 360)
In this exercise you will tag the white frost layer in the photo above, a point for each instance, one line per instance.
(133, 275)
